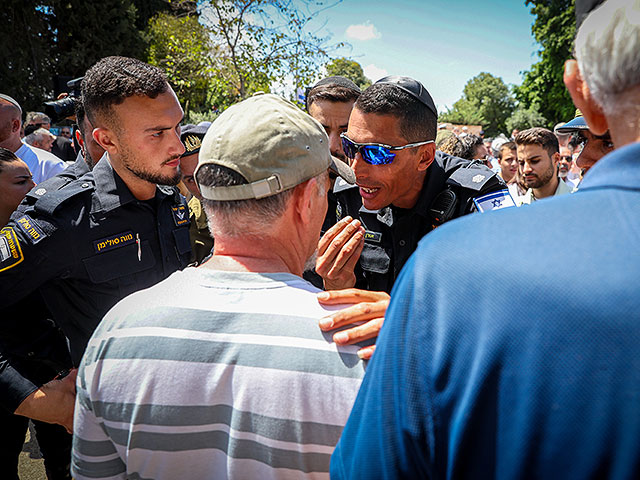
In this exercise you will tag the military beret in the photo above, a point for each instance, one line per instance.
(192, 135)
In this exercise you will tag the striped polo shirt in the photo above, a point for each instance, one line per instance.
(213, 374)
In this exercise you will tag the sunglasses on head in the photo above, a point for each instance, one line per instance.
(374, 153)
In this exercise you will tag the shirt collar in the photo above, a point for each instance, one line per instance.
(433, 184)
(111, 191)
(620, 168)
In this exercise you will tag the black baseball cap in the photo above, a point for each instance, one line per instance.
(412, 87)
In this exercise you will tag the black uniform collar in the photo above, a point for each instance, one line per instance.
(434, 182)
(111, 191)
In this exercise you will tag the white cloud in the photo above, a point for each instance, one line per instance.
(363, 32)
(374, 73)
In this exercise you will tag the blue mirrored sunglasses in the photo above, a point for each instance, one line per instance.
(374, 153)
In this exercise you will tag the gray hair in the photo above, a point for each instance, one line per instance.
(240, 218)
(37, 117)
(608, 51)
(37, 136)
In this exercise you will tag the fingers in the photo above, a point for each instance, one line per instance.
(350, 295)
(349, 255)
(360, 333)
(332, 233)
(356, 313)
(339, 248)
(366, 352)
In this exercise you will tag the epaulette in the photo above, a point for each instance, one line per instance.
(49, 202)
(474, 176)
(61, 180)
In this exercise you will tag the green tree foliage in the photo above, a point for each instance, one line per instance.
(50, 41)
(350, 69)
(260, 43)
(524, 118)
(181, 46)
(554, 30)
(26, 66)
(79, 44)
(485, 101)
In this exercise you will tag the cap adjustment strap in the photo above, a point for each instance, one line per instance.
(259, 189)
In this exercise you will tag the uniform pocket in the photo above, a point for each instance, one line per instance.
(374, 259)
(120, 262)
(183, 243)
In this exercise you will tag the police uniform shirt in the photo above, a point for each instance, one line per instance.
(90, 244)
(33, 349)
(392, 234)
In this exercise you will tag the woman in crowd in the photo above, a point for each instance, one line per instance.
(15, 183)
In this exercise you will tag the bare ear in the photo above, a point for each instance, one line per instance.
(555, 158)
(427, 155)
(106, 139)
(79, 138)
(582, 99)
(304, 200)
(15, 125)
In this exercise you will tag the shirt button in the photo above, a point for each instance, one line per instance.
(85, 185)
(402, 243)
(30, 354)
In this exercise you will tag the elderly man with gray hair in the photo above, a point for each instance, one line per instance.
(40, 138)
(530, 371)
(221, 371)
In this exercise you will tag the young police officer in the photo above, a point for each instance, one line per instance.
(109, 233)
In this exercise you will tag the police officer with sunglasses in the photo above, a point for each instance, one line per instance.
(406, 187)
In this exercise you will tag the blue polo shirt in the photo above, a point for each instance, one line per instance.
(528, 368)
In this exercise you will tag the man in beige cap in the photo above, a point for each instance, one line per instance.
(221, 370)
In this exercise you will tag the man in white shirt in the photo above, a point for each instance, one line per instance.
(42, 164)
(538, 156)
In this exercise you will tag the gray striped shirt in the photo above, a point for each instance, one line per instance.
(213, 374)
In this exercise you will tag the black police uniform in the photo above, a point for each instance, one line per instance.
(392, 234)
(33, 351)
(88, 245)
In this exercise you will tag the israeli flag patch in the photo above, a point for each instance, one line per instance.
(494, 201)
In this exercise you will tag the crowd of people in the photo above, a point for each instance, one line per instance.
(346, 290)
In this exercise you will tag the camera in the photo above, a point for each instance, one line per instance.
(60, 109)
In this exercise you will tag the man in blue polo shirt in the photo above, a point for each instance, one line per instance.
(530, 371)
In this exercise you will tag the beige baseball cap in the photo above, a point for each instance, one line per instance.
(270, 142)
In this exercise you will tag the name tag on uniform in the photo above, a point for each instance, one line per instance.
(494, 201)
(180, 215)
(374, 237)
(33, 232)
(113, 241)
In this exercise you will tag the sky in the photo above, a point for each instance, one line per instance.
(441, 43)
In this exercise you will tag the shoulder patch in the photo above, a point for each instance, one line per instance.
(31, 229)
(180, 214)
(475, 177)
(494, 201)
(10, 249)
